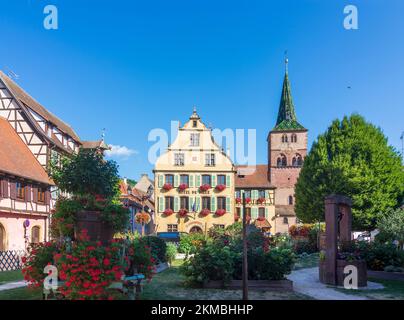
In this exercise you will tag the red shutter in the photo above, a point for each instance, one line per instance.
(13, 190)
(47, 197)
(35, 194)
(28, 193)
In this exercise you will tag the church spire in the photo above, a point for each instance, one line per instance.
(286, 115)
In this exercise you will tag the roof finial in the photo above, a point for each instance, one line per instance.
(194, 109)
(103, 134)
(286, 61)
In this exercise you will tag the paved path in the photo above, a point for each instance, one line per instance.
(306, 281)
(13, 285)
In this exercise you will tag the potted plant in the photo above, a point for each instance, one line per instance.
(220, 187)
(94, 204)
(183, 213)
(248, 200)
(204, 187)
(261, 200)
(168, 212)
(204, 212)
(238, 200)
(220, 212)
(167, 186)
(183, 186)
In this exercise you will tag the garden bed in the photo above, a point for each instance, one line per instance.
(265, 285)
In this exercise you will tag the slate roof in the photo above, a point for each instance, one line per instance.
(16, 158)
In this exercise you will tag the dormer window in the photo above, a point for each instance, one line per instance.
(194, 123)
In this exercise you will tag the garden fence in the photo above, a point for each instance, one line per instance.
(11, 260)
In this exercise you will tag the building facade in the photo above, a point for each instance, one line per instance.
(38, 137)
(194, 182)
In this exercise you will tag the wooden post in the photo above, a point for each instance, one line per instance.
(245, 262)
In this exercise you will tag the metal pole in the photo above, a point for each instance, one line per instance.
(245, 262)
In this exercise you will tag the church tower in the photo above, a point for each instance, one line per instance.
(287, 148)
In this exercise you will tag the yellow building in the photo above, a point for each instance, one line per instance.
(194, 182)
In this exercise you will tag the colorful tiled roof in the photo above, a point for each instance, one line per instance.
(15, 157)
(286, 115)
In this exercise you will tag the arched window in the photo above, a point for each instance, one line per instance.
(299, 160)
(2, 238)
(294, 138)
(35, 233)
(281, 161)
(290, 200)
(294, 162)
(284, 138)
(285, 220)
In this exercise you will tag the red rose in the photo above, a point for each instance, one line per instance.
(106, 262)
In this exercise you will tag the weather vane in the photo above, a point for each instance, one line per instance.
(286, 61)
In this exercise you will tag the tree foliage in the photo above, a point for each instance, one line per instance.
(391, 226)
(351, 158)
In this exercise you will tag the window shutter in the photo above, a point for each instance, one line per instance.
(254, 212)
(228, 204)
(228, 180)
(198, 204)
(47, 197)
(176, 180)
(266, 213)
(198, 180)
(191, 181)
(13, 190)
(213, 204)
(190, 203)
(241, 212)
(5, 188)
(34, 194)
(213, 180)
(28, 193)
(176, 204)
(160, 180)
(161, 204)
(266, 194)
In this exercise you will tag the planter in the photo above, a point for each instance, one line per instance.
(341, 264)
(255, 285)
(96, 229)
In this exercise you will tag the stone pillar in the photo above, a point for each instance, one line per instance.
(331, 222)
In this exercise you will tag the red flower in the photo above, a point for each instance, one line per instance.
(238, 200)
(183, 213)
(220, 187)
(167, 186)
(248, 200)
(182, 186)
(220, 212)
(204, 212)
(204, 187)
(261, 200)
(168, 212)
(106, 262)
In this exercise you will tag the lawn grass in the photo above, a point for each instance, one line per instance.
(393, 290)
(169, 285)
(10, 276)
(21, 294)
(308, 261)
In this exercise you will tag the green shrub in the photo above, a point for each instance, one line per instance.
(190, 242)
(380, 255)
(304, 246)
(171, 252)
(158, 247)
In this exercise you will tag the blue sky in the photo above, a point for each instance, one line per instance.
(131, 66)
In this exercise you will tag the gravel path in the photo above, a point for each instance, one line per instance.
(306, 281)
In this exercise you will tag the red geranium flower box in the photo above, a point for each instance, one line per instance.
(167, 186)
(182, 186)
(220, 187)
(248, 200)
(261, 200)
(238, 200)
(204, 212)
(168, 212)
(220, 212)
(183, 213)
(204, 187)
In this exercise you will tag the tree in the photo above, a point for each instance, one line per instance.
(351, 158)
(391, 226)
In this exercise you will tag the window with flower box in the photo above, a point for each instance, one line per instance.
(261, 193)
(221, 203)
(221, 179)
(169, 202)
(206, 179)
(206, 203)
(172, 228)
(169, 179)
(184, 202)
(184, 179)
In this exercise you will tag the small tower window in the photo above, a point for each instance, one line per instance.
(294, 138)
(284, 138)
(290, 200)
